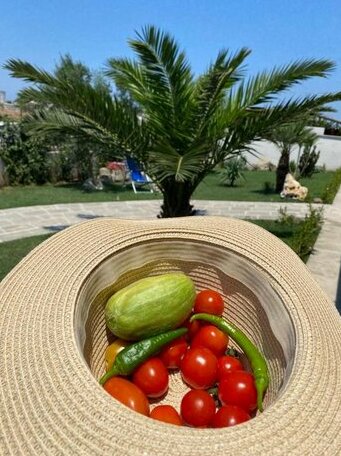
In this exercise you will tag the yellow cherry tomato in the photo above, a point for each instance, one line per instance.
(112, 350)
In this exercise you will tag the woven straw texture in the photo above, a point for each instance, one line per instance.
(53, 338)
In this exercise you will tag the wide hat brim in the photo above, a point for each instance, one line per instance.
(51, 403)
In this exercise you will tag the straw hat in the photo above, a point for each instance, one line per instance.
(53, 338)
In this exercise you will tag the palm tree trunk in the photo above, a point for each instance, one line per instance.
(176, 199)
(282, 169)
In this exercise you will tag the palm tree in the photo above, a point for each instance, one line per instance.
(178, 126)
(286, 137)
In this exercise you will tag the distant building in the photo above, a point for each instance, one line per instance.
(8, 109)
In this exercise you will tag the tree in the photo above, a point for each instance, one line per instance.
(82, 155)
(286, 137)
(69, 70)
(85, 154)
(179, 127)
(25, 158)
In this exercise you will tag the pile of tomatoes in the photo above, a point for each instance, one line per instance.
(222, 393)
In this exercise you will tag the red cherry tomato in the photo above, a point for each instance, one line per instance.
(152, 377)
(129, 394)
(199, 368)
(173, 352)
(167, 414)
(193, 327)
(229, 415)
(228, 364)
(209, 301)
(197, 408)
(211, 337)
(238, 388)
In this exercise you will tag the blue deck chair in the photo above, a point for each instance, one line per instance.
(137, 177)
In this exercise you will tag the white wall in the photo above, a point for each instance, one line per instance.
(329, 147)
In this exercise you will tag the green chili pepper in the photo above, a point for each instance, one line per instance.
(128, 359)
(256, 359)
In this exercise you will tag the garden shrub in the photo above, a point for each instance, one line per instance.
(308, 160)
(25, 158)
(332, 188)
(268, 187)
(233, 170)
(285, 218)
(65, 166)
(307, 232)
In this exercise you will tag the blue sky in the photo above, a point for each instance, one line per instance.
(277, 31)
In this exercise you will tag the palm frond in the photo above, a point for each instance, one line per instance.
(292, 133)
(165, 65)
(259, 123)
(294, 109)
(211, 87)
(128, 75)
(67, 100)
(265, 87)
(28, 72)
(167, 73)
(166, 162)
(45, 122)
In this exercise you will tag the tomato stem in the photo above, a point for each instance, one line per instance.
(213, 391)
(233, 352)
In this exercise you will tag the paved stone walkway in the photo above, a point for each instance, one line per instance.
(22, 222)
(324, 263)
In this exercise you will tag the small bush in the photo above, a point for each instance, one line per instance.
(268, 187)
(332, 188)
(233, 170)
(285, 218)
(307, 233)
(308, 160)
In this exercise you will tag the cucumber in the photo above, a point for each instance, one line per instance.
(150, 306)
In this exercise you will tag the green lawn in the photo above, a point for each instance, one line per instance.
(252, 189)
(13, 251)
(283, 231)
(32, 195)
